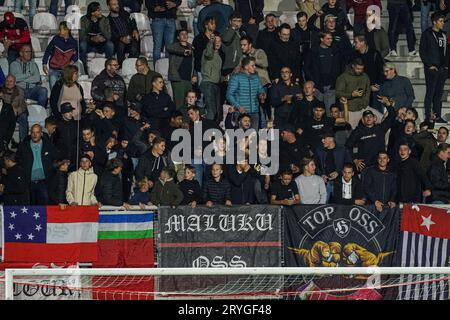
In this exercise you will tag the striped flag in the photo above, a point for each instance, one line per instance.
(125, 239)
(48, 234)
(424, 242)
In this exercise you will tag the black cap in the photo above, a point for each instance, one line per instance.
(367, 112)
(136, 107)
(66, 107)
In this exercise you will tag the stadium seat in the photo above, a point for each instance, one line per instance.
(289, 18)
(36, 44)
(95, 66)
(147, 46)
(73, 18)
(2, 49)
(142, 22)
(86, 85)
(19, 15)
(36, 114)
(45, 23)
(4, 65)
(162, 66)
(128, 68)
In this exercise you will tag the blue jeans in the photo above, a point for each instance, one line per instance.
(399, 14)
(425, 10)
(162, 29)
(38, 193)
(22, 120)
(54, 6)
(18, 5)
(53, 76)
(39, 94)
(85, 48)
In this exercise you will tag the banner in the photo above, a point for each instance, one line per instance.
(424, 242)
(49, 234)
(125, 240)
(339, 236)
(47, 288)
(238, 236)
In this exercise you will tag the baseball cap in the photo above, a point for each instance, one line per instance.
(66, 107)
(368, 112)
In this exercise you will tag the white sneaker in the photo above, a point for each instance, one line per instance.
(393, 53)
(413, 53)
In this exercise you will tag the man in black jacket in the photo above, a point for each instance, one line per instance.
(434, 54)
(66, 134)
(109, 78)
(269, 34)
(36, 155)
(89, 145)
(110, 189)
(304, 36)
(124, 32)
(440, 192)
(323, 65)
(348, 189)
(58, 183)
(7, 124)
(252, 15)
(13, 186)
(372, 59)
(317, 126)
(242, 180)
(412, 182)
(153, 161)
(380, 183)
(370, 138)
(292, 150)
(283, 53)
(302, 109)
(157, 106)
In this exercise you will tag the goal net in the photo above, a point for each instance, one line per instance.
(227, 283)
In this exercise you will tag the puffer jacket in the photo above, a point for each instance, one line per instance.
(111, 189)
(81, 187)
(243, 90)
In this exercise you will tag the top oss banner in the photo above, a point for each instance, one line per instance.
(339, 236)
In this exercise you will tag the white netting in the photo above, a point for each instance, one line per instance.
(424, 286)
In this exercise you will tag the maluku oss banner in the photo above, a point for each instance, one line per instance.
(339, 236)
(238, 236)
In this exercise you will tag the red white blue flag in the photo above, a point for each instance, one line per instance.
(424, 242)
(48, 234)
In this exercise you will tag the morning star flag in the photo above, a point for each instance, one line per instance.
(339, 236)
(125, 239)
(47, 234)
(424, 242)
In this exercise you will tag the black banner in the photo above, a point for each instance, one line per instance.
(238, 236)
(339, 236)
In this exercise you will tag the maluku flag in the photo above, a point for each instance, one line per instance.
(125, 239)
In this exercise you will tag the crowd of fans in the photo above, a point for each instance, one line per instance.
(346, 122)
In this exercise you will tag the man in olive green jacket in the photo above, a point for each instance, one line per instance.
(354, 85)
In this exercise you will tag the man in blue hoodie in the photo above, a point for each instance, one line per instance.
(245, 92)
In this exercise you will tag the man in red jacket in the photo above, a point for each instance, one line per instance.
(14, 33)
(360, 8)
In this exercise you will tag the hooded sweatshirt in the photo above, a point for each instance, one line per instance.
(81, 187)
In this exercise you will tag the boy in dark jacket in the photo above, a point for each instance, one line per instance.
(412, 181)
(111, 185)
(142, 196)
(348, 189)
(13, 186)
(190, 188)
(380, 183)
(217, 191)
(166, 192)
(58, 183)
(437, 174)
(242, 180)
